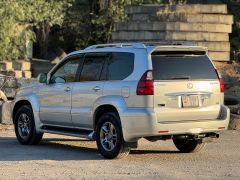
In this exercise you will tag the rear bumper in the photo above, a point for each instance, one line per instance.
(140, 122)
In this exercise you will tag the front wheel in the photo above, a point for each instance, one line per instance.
(25, 126)
(188, 145)
(109, 137)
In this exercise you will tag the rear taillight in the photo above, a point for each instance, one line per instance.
(220, 81)
(145, 84)
(221, 85)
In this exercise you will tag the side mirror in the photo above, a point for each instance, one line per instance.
(42, 78)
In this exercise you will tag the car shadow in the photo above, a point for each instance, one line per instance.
(48, 149)
(134, 151)
(57, 149)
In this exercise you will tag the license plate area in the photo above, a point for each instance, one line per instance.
(190, 101)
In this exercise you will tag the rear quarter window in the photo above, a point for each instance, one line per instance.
(195, 67)
(120, 65)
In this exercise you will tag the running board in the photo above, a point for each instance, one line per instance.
(82, 133)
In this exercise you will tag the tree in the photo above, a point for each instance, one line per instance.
(91, 22)
(76, 31)
(13, 33)
(108, 13)
(44, 14)
(19, 18)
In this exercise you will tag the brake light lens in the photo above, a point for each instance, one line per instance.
(145, 84)
(163, 131)
(222, 85)
(221, 81)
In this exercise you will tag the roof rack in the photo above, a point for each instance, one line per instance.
(140, 44)
(120, 45)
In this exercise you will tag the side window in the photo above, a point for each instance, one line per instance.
(92, 67)
(67, 71)
(120, 65)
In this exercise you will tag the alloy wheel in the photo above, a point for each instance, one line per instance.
(108, 136)
(24, 126)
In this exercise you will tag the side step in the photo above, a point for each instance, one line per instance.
(82, 133)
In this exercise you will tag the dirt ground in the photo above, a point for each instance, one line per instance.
(59, 157)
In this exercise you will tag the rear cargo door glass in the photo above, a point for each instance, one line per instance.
(182, 67)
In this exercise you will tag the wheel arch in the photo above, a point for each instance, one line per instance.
(19, 104)
(108, 104)
(31, 100)
(100, 110)
(103, 108)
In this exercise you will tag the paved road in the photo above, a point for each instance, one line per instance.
(59, 157)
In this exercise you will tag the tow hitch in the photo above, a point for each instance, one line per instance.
(201, 138)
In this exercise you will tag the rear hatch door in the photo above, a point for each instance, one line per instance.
(186, 87)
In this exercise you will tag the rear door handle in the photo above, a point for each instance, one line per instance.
(97, 88)
(67, 89)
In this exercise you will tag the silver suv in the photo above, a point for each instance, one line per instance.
(118, 93)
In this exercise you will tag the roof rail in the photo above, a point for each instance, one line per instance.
(119, 45)
(140, 44)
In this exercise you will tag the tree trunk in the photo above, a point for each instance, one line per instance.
(43, 38)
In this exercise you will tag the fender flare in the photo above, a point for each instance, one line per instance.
(34, 102)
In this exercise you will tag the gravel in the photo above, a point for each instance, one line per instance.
(60, 157)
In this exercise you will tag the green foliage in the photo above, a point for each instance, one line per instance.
(39, 11)
(18, 19)
(44, 14)
(96, 19)
(91, 22)
(71, 27)
(109, 13)
(11, 34)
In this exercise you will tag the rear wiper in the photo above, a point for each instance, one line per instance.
(179, 77)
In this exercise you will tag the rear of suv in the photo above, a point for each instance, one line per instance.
(118, 93)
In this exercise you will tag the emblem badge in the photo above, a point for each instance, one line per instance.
(189, 85)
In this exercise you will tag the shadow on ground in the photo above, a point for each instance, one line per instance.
(57, 149)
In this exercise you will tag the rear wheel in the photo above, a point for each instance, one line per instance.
(188, 145)
(109, 137)
(25, 126)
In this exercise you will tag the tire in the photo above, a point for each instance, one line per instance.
(109, 137)
(188, 146)
(24, 125)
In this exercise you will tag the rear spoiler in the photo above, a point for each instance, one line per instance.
(178, 53)
(188, 50)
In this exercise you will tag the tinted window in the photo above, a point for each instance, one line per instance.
(188, 67)
(92, 68)
(67, 71)
(120, 65)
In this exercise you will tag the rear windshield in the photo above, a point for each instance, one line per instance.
(182, 67)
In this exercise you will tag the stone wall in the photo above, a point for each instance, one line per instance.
(9, 86)
(10, 73)
(18, 73)
(204, 25)
(19, 69)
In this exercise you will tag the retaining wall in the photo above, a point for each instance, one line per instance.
(19, 69)
(204, 25)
